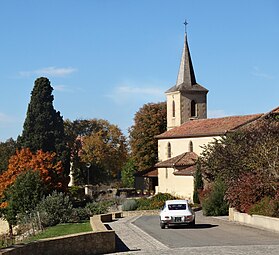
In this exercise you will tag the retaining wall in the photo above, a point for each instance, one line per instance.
(99, 241)
(254, 220)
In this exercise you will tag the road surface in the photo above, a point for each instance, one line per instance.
(210, 236)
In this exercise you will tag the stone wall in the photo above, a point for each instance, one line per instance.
(254, 220)
(99, 241)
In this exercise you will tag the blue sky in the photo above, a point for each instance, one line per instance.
(107, 58)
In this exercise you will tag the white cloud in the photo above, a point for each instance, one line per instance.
(137, 90)
(131, 91)
(50, 71)
(68, 89)
(257, 72)
(62, 88)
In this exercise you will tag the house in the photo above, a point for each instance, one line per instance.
(188, 130)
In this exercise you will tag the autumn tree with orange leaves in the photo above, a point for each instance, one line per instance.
(50, 171)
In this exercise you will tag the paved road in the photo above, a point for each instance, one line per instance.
(142, 235)
(207, 232)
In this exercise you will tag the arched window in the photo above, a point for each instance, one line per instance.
(193, 108)
(190, 146)
(173, 108)
(169, 150)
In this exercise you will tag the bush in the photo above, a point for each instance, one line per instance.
(155, 202)
(54, 209)
(267, 206)
(79, 214)
(129, 205)
(247, 190)
(95, 208)
(214, 204)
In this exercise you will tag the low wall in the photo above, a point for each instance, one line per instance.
(140, 213)
(254, 220)
(99, 241)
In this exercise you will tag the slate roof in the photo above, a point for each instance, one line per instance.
(208, 127)
(186, 80)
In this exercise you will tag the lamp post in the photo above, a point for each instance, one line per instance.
(88, 165)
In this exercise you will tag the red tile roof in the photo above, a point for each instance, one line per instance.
(209, 127)
(182, 160)
(188, 171)
(152, 173)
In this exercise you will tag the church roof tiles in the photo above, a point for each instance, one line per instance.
(208, 127)
(182, 160)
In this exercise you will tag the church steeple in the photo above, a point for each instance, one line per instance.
(186, 74)
(186, 99)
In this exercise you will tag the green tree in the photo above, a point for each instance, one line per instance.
(214, 204)
(198, 184)
(7, 149)
(43, 127)
(149, 121)
(23, 196)
(106, 150)
(127, 174)
(247, 161)
(99, 143)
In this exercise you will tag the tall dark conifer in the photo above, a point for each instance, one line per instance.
(43, 127)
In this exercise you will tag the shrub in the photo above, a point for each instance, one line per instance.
(267, 206)
(95, 208)
(155, 202)
(79, 214)
(129, 205)
(198, 185)
(247, 190)
(54, 209)
(214, 204)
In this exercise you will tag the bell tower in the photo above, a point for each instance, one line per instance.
(186, 99)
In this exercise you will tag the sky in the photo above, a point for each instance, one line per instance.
(105, 59)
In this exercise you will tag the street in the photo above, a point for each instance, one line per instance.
(210, 236)
(207, 232)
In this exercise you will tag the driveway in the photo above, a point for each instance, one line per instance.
(143, 235)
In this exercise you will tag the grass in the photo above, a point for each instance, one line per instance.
(61, 230)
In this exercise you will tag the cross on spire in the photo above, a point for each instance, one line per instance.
(185, 24)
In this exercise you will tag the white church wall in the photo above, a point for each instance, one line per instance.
(181, 186)
(181, 145)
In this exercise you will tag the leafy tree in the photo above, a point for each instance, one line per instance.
(255, 149)
(99, 143)
(44, 162)
(7, 149)
(248, 190)
(198, 184)
(23, 196)
(43, 127)
(127, 174)
(247, 161)
(215, 204)
(150, 120)
(106, 150)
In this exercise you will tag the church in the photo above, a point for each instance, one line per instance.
(188, 130)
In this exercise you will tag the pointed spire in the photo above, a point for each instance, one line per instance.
(186, 75)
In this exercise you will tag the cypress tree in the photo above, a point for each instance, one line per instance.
(44, 127)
